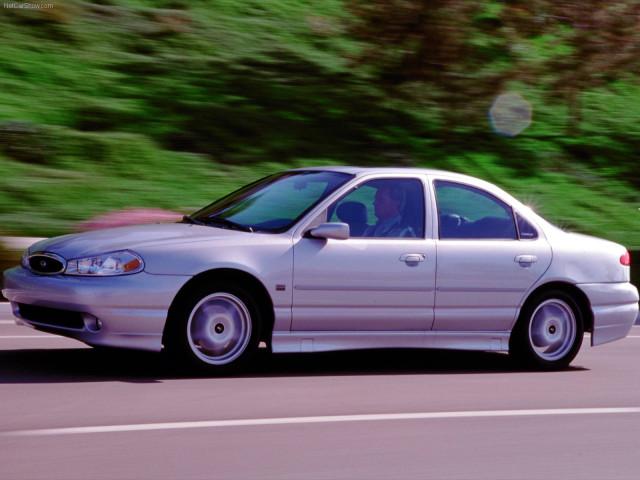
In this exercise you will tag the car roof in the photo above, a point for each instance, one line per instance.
(444, 174)
(359, 171)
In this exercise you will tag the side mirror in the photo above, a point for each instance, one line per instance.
(335, 230)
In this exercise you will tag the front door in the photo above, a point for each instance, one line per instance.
(382, 278)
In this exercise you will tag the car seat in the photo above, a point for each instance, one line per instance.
(354, 214)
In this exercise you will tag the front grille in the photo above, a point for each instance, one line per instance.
(46, 263)
(51, 316)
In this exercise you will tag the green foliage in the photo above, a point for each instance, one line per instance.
(23, 141)
(113, 103)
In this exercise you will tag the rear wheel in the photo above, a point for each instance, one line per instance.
(215, 329)
(549, 332)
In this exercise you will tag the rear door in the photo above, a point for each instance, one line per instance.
(488, 258)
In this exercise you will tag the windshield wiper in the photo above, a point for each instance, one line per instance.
(228, 223)
(187, 218)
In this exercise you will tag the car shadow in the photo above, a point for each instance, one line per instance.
(103, 364)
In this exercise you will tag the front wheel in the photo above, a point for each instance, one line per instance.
(216, 329)
(549, 331)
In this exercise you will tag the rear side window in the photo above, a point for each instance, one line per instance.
(525, 229)
(468, 212)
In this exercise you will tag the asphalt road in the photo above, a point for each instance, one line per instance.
(69, 411)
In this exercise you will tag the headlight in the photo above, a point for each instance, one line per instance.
(122, 262)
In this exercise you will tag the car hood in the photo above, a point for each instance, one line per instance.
(133, 238)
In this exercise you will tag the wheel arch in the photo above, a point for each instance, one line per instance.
(578, 295)
(236, 277)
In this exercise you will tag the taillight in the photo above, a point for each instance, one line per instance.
(626, 259)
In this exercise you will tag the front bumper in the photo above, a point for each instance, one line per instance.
(614, 307)
(128, 311)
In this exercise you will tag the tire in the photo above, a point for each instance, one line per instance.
(549, 331)
(214, 330)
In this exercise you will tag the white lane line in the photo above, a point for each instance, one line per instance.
(7, 322)
(321, 419)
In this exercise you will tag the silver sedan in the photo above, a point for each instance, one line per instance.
(337, 258)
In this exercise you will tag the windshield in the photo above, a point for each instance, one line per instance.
(272, 204)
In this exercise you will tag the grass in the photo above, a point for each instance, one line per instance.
(172, 104)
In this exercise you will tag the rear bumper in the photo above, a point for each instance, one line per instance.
(131, 309)
(614, 307)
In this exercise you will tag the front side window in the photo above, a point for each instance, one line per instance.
(384, 208)
(468, 212)
(274, 203)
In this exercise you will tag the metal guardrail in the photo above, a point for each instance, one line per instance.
(18, 243)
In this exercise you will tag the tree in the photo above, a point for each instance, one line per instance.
(471, 49)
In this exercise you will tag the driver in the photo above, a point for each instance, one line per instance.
(388, 203)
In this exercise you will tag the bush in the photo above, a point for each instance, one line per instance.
(24, 141)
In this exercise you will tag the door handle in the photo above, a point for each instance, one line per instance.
(412, 257)
(525, 260)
